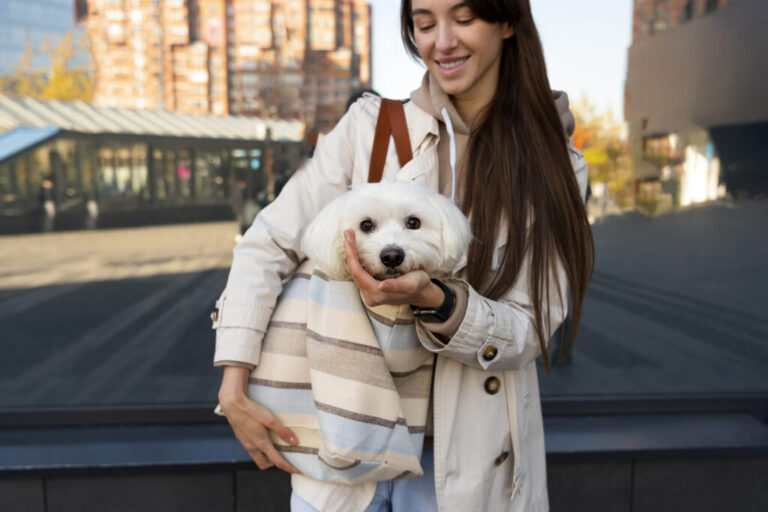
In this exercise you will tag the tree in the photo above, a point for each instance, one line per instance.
(63, 80)
(600, 136)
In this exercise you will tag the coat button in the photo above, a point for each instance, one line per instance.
(492, 385)
(490, 352)
(501, 458)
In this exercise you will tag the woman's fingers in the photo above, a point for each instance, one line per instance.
(278, 460)
(260, 459)
(360, 276)
(270, 421)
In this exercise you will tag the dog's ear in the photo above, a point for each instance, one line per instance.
(455, 231)
(323, 241)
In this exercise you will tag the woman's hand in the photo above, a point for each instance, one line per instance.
(412, 288)
(250, 421)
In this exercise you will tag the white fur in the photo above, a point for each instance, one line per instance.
(435, 247)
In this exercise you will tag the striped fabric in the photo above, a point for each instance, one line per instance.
(352, 383)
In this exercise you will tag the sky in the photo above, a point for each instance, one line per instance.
(585, 46)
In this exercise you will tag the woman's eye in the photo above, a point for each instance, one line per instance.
(366, 226)
(424, 28)
(413, 223)
(465, 21)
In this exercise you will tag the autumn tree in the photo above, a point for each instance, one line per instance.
(600, 136)
(62, 80)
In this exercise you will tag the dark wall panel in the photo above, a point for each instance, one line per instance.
(265, 491)
(21, 495)
(701, 484)
(600, 486)
(156, 492)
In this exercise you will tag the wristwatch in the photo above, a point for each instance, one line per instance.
(439, 314)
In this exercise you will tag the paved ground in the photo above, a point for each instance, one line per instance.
(677, 305)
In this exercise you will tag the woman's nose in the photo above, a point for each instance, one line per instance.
(446, 39)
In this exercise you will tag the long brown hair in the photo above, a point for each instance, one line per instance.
(521, 169)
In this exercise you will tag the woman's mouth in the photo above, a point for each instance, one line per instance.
(449, 68)
(452, 63)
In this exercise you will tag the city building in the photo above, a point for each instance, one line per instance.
(288, 59)
(27, 23)
(69, 165)
(653, 16)
(695, 101)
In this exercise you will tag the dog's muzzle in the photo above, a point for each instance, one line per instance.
(392, 256)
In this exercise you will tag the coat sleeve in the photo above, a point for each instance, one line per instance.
(271, 248)
(505, 329)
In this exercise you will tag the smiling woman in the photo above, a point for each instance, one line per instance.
(486, 131)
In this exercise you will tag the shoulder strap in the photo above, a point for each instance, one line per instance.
(391, 121)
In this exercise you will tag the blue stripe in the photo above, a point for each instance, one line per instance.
(343, 432)
(341, 295)
(295, 289)
(283, 401)
(398, 338)
(313, 467)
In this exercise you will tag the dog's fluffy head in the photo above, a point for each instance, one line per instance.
(399, 227)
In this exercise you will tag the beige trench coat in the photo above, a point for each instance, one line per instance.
(489, 446)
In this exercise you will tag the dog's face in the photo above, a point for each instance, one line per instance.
(399, 227)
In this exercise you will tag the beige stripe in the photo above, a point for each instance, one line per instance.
(403, 361)
(321, 275)
(302, 326)
(422, 368)
(278, 384)
(399, 461)
(329, 463)
(290, 342)
(338, 324)
(350, 364)
(349, 345)
(359, 397)
(389, 320)
(415, 409)
(415, 386)
(296, 449)
(362, 418)
(290, 310)
(281, 368)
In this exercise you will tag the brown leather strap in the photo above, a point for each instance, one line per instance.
(399, 131)
(391, 121)
(380, 146)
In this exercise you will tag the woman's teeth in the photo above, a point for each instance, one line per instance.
(453, 64)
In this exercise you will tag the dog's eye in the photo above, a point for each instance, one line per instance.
(366, 226)
(413, 223)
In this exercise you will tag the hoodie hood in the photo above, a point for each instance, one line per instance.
(431, 98)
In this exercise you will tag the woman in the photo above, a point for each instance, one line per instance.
(486, 95)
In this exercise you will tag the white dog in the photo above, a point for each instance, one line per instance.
(399, 227)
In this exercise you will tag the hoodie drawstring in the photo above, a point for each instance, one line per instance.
(451, 136)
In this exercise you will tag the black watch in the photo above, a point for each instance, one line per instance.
(440, 314)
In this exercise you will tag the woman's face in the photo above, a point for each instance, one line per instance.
(461, 51)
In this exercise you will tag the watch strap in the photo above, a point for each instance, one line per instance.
(441, 313)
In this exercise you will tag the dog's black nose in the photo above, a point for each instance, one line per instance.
(392, 256)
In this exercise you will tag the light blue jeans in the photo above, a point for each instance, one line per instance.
(396, 495)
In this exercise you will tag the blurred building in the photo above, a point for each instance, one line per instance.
(289, 59)
(27, 23)
(70, 165)
(695, 100)
(653, 16)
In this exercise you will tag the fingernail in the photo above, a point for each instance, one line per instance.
(292, 440)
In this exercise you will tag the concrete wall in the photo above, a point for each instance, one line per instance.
(711, 71)
(617, 485)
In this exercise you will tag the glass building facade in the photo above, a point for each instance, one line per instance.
(29, 22)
